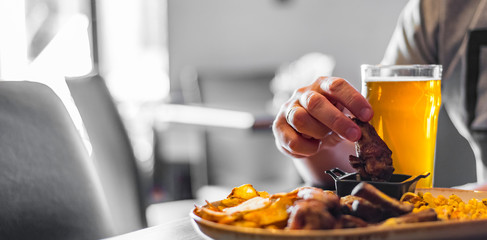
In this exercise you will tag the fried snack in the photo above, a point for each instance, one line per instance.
(375, 196)
(241, 194)
(362, 208)
(373, 160)
(425, 215)
(311, 214)
(274, 216)
(349, 221)
(451, 208)
(315, 209)
(247, 207)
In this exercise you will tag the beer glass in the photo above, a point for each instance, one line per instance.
(406, 101)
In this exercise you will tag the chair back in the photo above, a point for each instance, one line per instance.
(49, 188)
(112, 152)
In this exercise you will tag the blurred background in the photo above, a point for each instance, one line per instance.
(197, 82)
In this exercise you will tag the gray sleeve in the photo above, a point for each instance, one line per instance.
(414, 39)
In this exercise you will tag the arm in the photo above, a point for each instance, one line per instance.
(313, 127)
(414, 38)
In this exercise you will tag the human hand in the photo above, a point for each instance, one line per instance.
(316, 117)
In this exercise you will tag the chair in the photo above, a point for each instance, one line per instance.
(112, 152)
(49, 188)
(115, 161)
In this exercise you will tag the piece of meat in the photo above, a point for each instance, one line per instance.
(426, 215)
(329, 198)
(310, 214)
(362, 208)
(368, 211)
(315, 209)
(391, 206)
(346, 203)
(349, 221)
(373, 160)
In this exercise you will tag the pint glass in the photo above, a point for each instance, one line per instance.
(406, 101)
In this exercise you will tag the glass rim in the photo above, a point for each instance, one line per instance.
(400, 66)
(369, 71)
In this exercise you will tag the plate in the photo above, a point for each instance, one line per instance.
(473, 229)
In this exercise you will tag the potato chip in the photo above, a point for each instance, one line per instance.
(241, 194)
(246, 191)
(252, 204)
(275, 213)
(215, 216)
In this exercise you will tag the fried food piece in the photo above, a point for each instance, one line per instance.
(314, 209)
(241, 194)
(426, 215)
(331, 200)
(349, 221)
(252, 204)
(275, 214)
(315, 193)
(346, 203)
(373, 160)
(214, 215)
(363, 209)
(245, 191)
(392, 206)
(310, 214)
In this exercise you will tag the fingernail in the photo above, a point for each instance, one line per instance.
(352, 134)
(366, 114)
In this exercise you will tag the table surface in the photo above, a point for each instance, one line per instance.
(180, 229)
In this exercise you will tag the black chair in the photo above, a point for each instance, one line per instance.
(48, 185)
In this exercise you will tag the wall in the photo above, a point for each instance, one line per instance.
(256, 34)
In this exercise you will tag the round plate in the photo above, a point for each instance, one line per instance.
(426, 230)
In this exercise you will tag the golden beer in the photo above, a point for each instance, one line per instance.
(406, 117)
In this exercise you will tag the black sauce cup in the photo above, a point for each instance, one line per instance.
(395, 187)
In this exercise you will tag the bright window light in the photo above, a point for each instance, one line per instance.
(13, 43)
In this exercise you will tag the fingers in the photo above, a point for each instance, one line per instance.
(339, 90)
(305, 124)
(326, 113)
(315, 117)
(291, 142)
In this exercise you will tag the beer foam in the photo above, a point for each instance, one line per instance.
(399, 79)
